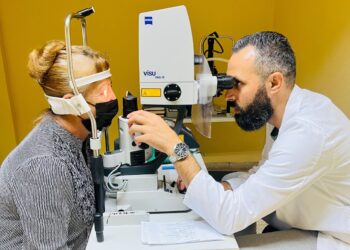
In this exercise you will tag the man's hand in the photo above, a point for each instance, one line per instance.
(153, 131)
(226, 185)
(180, 185)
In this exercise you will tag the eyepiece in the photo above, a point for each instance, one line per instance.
(225, 82)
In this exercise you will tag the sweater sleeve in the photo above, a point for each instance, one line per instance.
(43, 194)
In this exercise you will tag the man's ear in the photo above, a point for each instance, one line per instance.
(275, 82)
(68, 96)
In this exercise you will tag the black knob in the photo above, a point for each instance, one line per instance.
(172, 92)
(198, 59)
(144, 146)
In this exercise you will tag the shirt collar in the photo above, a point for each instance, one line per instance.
(293, 104)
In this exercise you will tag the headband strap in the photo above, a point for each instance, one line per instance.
(76, 105)
(82, 81)
(72, 106)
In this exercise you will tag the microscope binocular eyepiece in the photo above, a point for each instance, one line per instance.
(225, 82)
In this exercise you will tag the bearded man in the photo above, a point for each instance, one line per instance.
(303, 179)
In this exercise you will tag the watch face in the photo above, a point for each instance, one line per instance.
(181, 151)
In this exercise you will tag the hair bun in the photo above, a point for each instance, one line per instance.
(41, 60)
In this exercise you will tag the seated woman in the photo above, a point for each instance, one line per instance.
(47, 194)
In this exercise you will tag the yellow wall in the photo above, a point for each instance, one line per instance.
(319, 32)
(7, 132)
(114, 30)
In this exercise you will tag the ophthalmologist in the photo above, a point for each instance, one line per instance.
(303, 181)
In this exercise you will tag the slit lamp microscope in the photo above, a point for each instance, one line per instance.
(171, 77)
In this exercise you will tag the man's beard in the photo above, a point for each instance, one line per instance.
(256, 114)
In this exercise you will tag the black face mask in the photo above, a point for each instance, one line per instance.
(105, 112)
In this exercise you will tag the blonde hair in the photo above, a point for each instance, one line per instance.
(48, 66)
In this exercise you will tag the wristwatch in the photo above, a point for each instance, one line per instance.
(180, 152)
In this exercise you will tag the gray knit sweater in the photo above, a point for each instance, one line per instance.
(46, 192)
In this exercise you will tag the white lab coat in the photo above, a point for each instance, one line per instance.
(303, 181)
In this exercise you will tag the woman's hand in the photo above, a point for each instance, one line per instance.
(152, 130)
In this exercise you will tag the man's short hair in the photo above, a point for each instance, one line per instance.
(274, 54)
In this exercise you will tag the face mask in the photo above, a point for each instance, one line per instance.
(105, 112)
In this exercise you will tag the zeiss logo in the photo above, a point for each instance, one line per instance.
(148, 20)
(149, 73)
